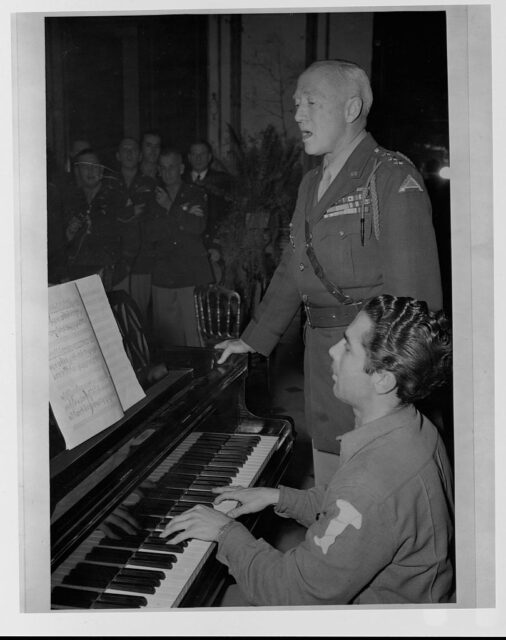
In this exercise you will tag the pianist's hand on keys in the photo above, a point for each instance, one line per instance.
(206, 523)
(251, 500)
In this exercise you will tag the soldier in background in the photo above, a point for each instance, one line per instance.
(181, 261)
(138, 197)
(218, 187)
(93, 232)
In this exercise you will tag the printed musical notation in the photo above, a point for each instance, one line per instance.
(91, 379)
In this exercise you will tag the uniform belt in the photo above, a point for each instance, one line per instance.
(326, 317)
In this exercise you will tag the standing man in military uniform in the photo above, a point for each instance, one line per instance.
(218, 187)
(362, 226)
(93, 233)
(181, 261)
(137, 192)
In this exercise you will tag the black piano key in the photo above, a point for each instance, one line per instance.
(227, 462)
(204, 488)
(191, 502)
(160, 546)
(157, 539)
(203, 452)
(107, 554)
(215, 483)
(241, 447)
(203, 492)
(219, 475)
(181, 467)
(217, 466)
(151, 563)
(155, 576)
(98, 569)
(172, 475)
(192, 474)
(113, 605)
(159, 495)
(203, 496)
(148, 555)
(79, 579)
(167, 492)
(199, 453)
(124, 601)
(171, 483)
(128, 542)
(163, 559)
(195, 461)
(69, 597)
(224, 455)
(137, 586)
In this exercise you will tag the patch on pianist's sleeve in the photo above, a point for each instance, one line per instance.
(347, 515)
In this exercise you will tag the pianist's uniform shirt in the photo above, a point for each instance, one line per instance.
(380, 533)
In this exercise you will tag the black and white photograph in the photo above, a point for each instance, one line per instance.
(253, 320)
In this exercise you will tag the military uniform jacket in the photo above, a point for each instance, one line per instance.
(175, 237)
(380, 533)
(99, 242)
(218, 186)
(398, 256)
(135, 248)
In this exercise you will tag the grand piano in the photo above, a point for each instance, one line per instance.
(192, 431)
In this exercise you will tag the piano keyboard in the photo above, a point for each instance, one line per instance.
(147, 571)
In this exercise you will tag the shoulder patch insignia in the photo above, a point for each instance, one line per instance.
(409, 183)
(348, 515)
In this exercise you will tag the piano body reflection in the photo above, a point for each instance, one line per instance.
(191, 432)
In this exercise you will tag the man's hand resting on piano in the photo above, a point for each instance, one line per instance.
(251, 500)
(232, 346)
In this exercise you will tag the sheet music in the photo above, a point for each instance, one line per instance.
(109, 338)
(91, 380)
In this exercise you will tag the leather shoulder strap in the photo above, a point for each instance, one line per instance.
(332, 288)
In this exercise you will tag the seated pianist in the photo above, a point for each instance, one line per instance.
(381, 532)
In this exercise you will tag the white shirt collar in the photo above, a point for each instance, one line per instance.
(338, 163)
(196, 174)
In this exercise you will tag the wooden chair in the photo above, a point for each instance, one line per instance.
(219, 316)
(218, 311)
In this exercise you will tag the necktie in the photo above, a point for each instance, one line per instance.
(324, 183)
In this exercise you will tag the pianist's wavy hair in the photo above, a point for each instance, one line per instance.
(411, 342)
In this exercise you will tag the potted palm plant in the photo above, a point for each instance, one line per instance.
(267, 171)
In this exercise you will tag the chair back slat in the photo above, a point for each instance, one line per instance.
(218, 311)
